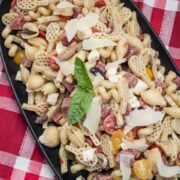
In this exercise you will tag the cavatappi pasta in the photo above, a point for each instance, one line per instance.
(131, 127)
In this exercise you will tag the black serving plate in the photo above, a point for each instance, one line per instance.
(51, 155)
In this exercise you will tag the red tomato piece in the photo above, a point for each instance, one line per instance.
(95, 30)
(64, 18)
(100, 3)
(42, 33)
(52, 63)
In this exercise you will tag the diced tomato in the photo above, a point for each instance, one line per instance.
(55, 54)
(54, 67)
(13, 4)
(42, 34)
(95, 30)
(64, 18)
(74, 40)
(53, 64)
(135, 131)
(100, 3)
(61, 161)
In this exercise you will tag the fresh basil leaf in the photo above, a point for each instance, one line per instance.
(83, 80)
(79, 105)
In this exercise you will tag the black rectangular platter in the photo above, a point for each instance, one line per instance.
(51, 155)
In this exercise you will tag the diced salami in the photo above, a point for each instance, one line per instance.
(65, 106)
(57, 117)
(109, 123)
(77, 11)
(17, 24)
(160, 84)
(41, 119)
(133, 152)
(128, 109)
(69, 86)
(132, 51)
(176, 80)
(13, 4)
(132, 79)
(103, 177)
(141, 37)
(105, 110)
(98, 148)
(26, 63)
(101, 66)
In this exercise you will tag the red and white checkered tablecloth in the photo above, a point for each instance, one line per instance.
(20, 157)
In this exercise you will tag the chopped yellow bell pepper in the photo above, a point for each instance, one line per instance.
(116, 138)
(149, 73)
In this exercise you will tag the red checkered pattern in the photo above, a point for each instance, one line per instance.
(20, 157)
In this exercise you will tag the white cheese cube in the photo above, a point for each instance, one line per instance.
(88, 155)
(139, 87)
(52, 98)
(93, 56)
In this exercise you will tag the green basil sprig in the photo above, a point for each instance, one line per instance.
(82, 98)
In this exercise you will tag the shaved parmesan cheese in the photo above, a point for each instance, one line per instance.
(93, 43)
(127, 129)
(93, 116)
(125, 166)
(66, 67)
(115, 64)
(59, 48)
(90, 20)
(139, 145)
(139, 87)
(144, 117)
(167, 171)
(65, 4)
(112, 69)
(134, 102)
(97, 80)
(88, 155)
(83, 24)
(71, 29)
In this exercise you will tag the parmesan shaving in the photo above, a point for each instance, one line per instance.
(93, 43)
(93, 116)
(84, 24)
(125, 166)
(66, 67)
(127, 129)
(167, 171)
(144, 117)
(88, 21)
(59, 48)
(71, 29)
(65, 4)
(139, 145)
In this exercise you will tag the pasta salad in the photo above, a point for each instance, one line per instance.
(97, 86)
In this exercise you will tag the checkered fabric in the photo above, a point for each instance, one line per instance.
(20, 157)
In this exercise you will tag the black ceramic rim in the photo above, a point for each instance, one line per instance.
(170, 63)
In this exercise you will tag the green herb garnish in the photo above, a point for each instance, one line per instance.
(83, 96)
